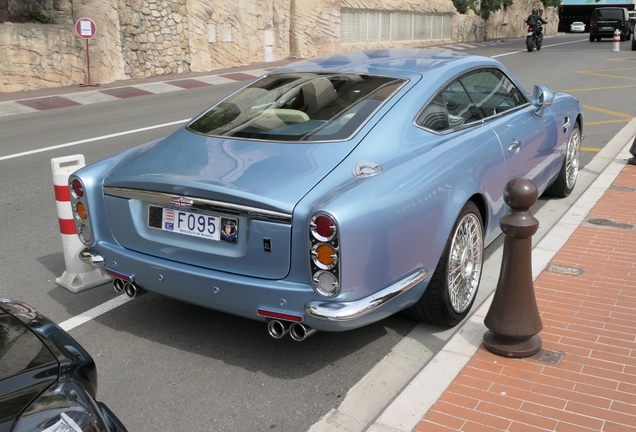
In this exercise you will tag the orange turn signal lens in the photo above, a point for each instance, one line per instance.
(325, 255)
(80, 209)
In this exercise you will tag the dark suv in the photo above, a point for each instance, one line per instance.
(605, 20)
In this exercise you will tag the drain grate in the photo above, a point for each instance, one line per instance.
(609, 223)
(548, 356)
(623, 188)
(571, 271)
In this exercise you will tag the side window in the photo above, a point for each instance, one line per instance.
(492, 91)
(435, 116)
(461, 108)
(449, 109)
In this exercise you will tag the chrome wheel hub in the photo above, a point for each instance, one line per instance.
(465, 263)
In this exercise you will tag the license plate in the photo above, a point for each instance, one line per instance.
(192, 224)
(529, 33)
(607, 28)
(202, 225)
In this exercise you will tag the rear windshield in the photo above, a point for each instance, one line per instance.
(299, 107)
(616, 14)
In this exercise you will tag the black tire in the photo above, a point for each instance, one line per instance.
(462, 258)
(564, 184)
(633, 44)
(529, 44)
(591, 37)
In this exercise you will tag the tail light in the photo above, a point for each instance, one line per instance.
(80, 210)
(324, 255)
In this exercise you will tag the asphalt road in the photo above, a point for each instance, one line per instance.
(169, 366)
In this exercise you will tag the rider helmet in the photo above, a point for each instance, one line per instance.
(535, 11)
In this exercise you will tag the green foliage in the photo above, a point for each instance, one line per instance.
(484, 8)
(553, 3)
(462, 6)
(39, 16)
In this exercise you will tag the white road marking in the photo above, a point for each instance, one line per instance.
(90, 140)
(80, 319)
(544, 46)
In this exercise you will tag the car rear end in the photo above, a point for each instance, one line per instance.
(605, 21)
(211, 214)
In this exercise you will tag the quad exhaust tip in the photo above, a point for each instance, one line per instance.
(277, 329)
(131, 289)
(298, 331)
(118, 284)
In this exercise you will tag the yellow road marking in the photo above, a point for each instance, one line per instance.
(606, 122)
(591, 149)
(628, 59)
(599, 88)
(608, 76)
(606, 70)
(614, 113)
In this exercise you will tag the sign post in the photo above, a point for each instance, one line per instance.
(86, 29)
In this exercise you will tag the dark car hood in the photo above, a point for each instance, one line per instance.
(247, 172)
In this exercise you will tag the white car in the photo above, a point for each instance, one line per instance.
(577, 27)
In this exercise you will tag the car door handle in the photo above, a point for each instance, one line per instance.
(514, 147)
(566, 124)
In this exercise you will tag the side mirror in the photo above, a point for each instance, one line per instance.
(541, 99)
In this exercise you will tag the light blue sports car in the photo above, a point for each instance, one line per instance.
(331, 193)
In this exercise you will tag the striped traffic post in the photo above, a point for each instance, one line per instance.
(616, 46)
(78, 275)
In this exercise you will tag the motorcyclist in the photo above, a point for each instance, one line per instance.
(535, 20)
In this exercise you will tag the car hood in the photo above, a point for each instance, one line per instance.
(268, 175)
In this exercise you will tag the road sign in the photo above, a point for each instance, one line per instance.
(85, 28)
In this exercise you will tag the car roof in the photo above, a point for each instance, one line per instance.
(397, 62)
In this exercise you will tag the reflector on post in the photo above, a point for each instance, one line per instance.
(78, 275)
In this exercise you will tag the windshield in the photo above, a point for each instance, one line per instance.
(299, 107)
(616, 14)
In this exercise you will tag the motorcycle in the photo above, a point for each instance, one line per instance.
(535, 37)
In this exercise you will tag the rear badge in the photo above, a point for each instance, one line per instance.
(229, 230)
(182, 202)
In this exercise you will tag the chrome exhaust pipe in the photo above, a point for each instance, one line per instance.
(277, 329)
(300, 332)
(118, 284)
(132, 290)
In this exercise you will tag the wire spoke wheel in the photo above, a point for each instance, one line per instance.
(453, 286)
(572, 158)
(465, 263)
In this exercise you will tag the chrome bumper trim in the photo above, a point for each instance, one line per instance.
(90, 257)
(347, 311)
(166, 199)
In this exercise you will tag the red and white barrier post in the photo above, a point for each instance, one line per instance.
(616, 46)
(78, 275)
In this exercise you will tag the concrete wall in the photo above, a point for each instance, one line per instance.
(145, 38)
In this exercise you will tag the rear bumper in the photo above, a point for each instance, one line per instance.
(244, 296)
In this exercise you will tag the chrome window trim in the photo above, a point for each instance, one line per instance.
(165, 199)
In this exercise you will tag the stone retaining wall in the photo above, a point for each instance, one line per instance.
(145, 38)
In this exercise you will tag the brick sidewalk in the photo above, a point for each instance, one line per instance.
(588, 309)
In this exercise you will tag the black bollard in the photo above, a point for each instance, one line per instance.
(632, 151)
(513, 318)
